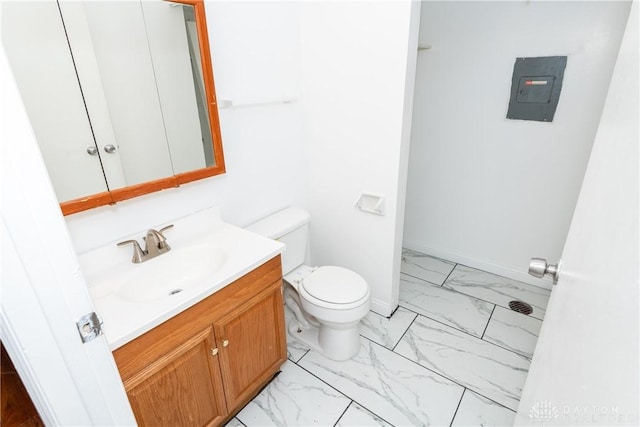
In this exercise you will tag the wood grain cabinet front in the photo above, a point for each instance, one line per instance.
(201, 366)
(183, 387)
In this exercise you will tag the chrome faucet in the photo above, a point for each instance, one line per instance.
(155, 244)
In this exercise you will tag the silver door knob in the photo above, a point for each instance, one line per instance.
(110, 148)
(538, 267)
(92, 150)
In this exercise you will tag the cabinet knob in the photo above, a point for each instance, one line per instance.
(214, 351)
(110, 148)
(225, 343)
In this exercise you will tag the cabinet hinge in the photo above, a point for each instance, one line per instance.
(89, 327)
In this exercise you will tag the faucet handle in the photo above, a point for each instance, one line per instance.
(138, 253)
(162, 230)
(162, 240)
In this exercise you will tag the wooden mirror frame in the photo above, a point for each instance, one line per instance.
(112, 196)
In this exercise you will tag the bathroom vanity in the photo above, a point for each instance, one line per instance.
(201, 366)
(198, 330)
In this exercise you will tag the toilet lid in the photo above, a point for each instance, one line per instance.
(335, 285)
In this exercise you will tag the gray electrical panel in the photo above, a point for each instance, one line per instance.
(535, 88)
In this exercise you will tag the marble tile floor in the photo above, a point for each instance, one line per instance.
(452, 354)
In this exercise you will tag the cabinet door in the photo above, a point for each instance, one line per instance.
(37, 48)
(172, 390)
(252, 344)
(118, 35)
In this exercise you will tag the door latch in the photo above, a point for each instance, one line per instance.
(89, 327)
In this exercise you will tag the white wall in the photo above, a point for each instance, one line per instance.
(254, 51)
(483, 190)
(357, 61)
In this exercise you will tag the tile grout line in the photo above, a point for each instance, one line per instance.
(506, 348)
(493, 401)
(449, 275)
(456, 264)
(473, 390)
(300, 358)
(505, 306)
(532, 315)
(449, 326)
(465, 387)
(389, 320)
(339, 391)
(458, 407)
(404, 333)
(419, 278)
(430, 370)
(459, 330)
(483, 300)
(480, 270)
(424, 269)
(445, 377)
(487, 325)
(343, 394)
(343, 412)
(435, 320)
(512, 351)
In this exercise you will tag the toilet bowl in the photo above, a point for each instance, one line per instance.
(328, 302)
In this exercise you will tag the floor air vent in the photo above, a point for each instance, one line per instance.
(520, 307)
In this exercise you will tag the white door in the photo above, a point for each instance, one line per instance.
(43, 290)
(585, 367)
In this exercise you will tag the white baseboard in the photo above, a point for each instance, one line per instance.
(381, 307)
(500, 270)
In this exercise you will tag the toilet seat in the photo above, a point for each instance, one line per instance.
(336, 286)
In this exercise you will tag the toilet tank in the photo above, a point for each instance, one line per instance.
(291, 227)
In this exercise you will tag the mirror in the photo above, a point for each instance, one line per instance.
(120, 95)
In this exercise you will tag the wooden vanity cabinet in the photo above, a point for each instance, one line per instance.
(183, 387)
(201, 366)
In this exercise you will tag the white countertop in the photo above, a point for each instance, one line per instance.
(108, 269)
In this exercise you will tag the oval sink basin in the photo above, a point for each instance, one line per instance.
(171, 273)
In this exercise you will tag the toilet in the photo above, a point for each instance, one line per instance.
(328, 302)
